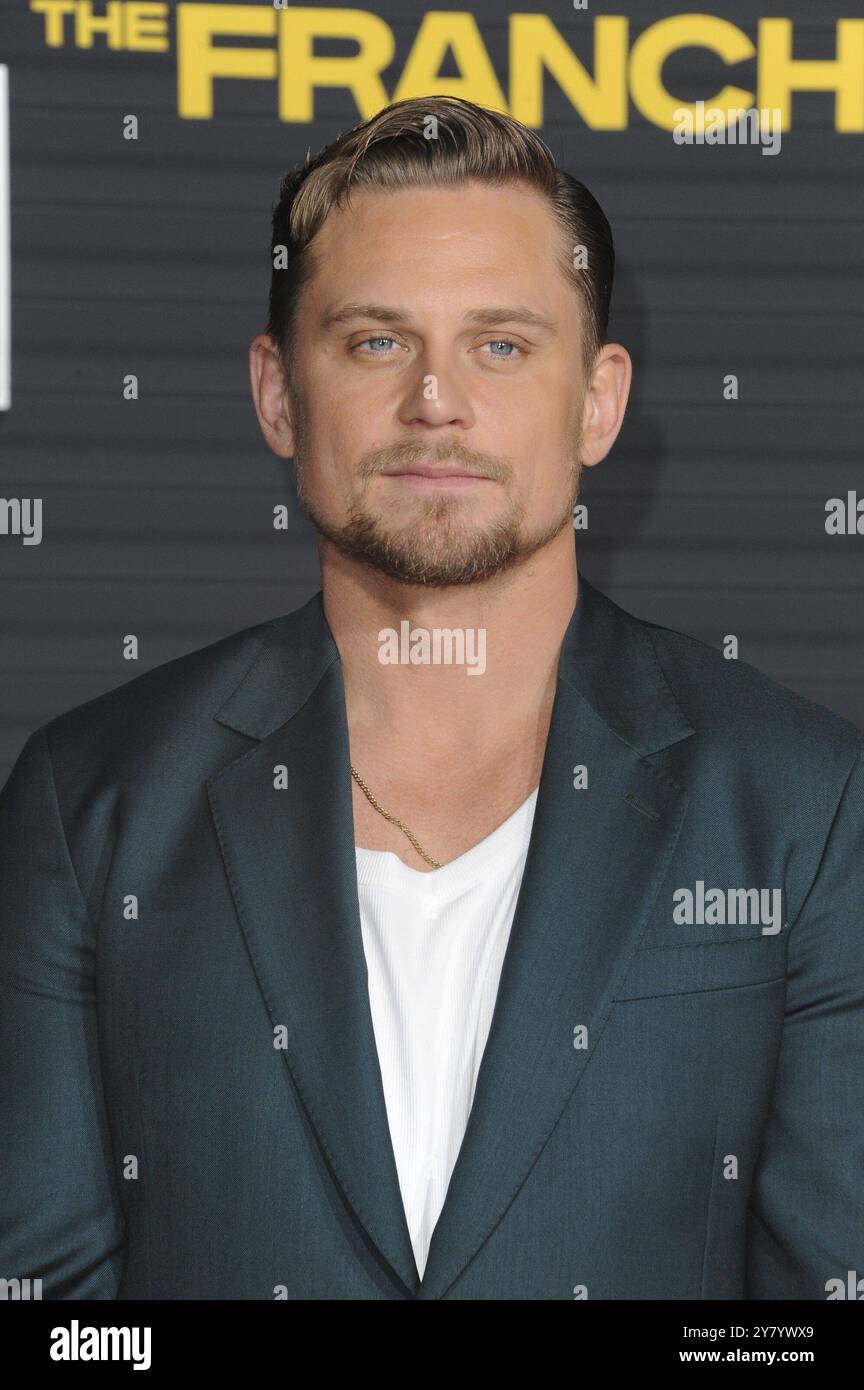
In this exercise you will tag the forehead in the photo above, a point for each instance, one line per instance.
(449, 241)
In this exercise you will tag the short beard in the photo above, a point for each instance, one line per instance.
(415, 556)
(430, 550)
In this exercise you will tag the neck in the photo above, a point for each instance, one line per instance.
(522, 615)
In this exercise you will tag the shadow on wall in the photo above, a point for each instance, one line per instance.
(622, 492)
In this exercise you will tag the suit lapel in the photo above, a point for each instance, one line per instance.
(289, 856)
(594, 864)
(595, 861)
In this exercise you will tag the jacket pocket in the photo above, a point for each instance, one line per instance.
(705, 965)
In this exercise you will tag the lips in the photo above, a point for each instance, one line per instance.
(429, 470)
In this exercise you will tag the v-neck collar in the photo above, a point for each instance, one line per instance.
(384, 868)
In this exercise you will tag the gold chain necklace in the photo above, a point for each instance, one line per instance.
(394, 820)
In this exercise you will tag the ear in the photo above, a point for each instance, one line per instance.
(605, 402)
(270, 395)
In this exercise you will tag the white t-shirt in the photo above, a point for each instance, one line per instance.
(434, 945)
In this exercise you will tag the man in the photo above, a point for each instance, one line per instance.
(458, 935)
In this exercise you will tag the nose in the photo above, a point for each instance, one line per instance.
(436, 396)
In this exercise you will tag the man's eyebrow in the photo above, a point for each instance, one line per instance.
(484, 318)
(510, 313)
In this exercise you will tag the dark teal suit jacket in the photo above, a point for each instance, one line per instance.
(664, 1110)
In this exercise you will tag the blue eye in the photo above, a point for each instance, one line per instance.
(501, 342)
(379, 338)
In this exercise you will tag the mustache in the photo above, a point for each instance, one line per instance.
(417, 451)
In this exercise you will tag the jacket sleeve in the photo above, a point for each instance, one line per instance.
(806, 1212)
(60, 1218)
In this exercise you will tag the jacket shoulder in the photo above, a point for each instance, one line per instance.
(172, 696)
(733, 700)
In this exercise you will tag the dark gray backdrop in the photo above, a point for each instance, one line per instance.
(152, 257)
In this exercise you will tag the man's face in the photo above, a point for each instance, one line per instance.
(437, 382)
